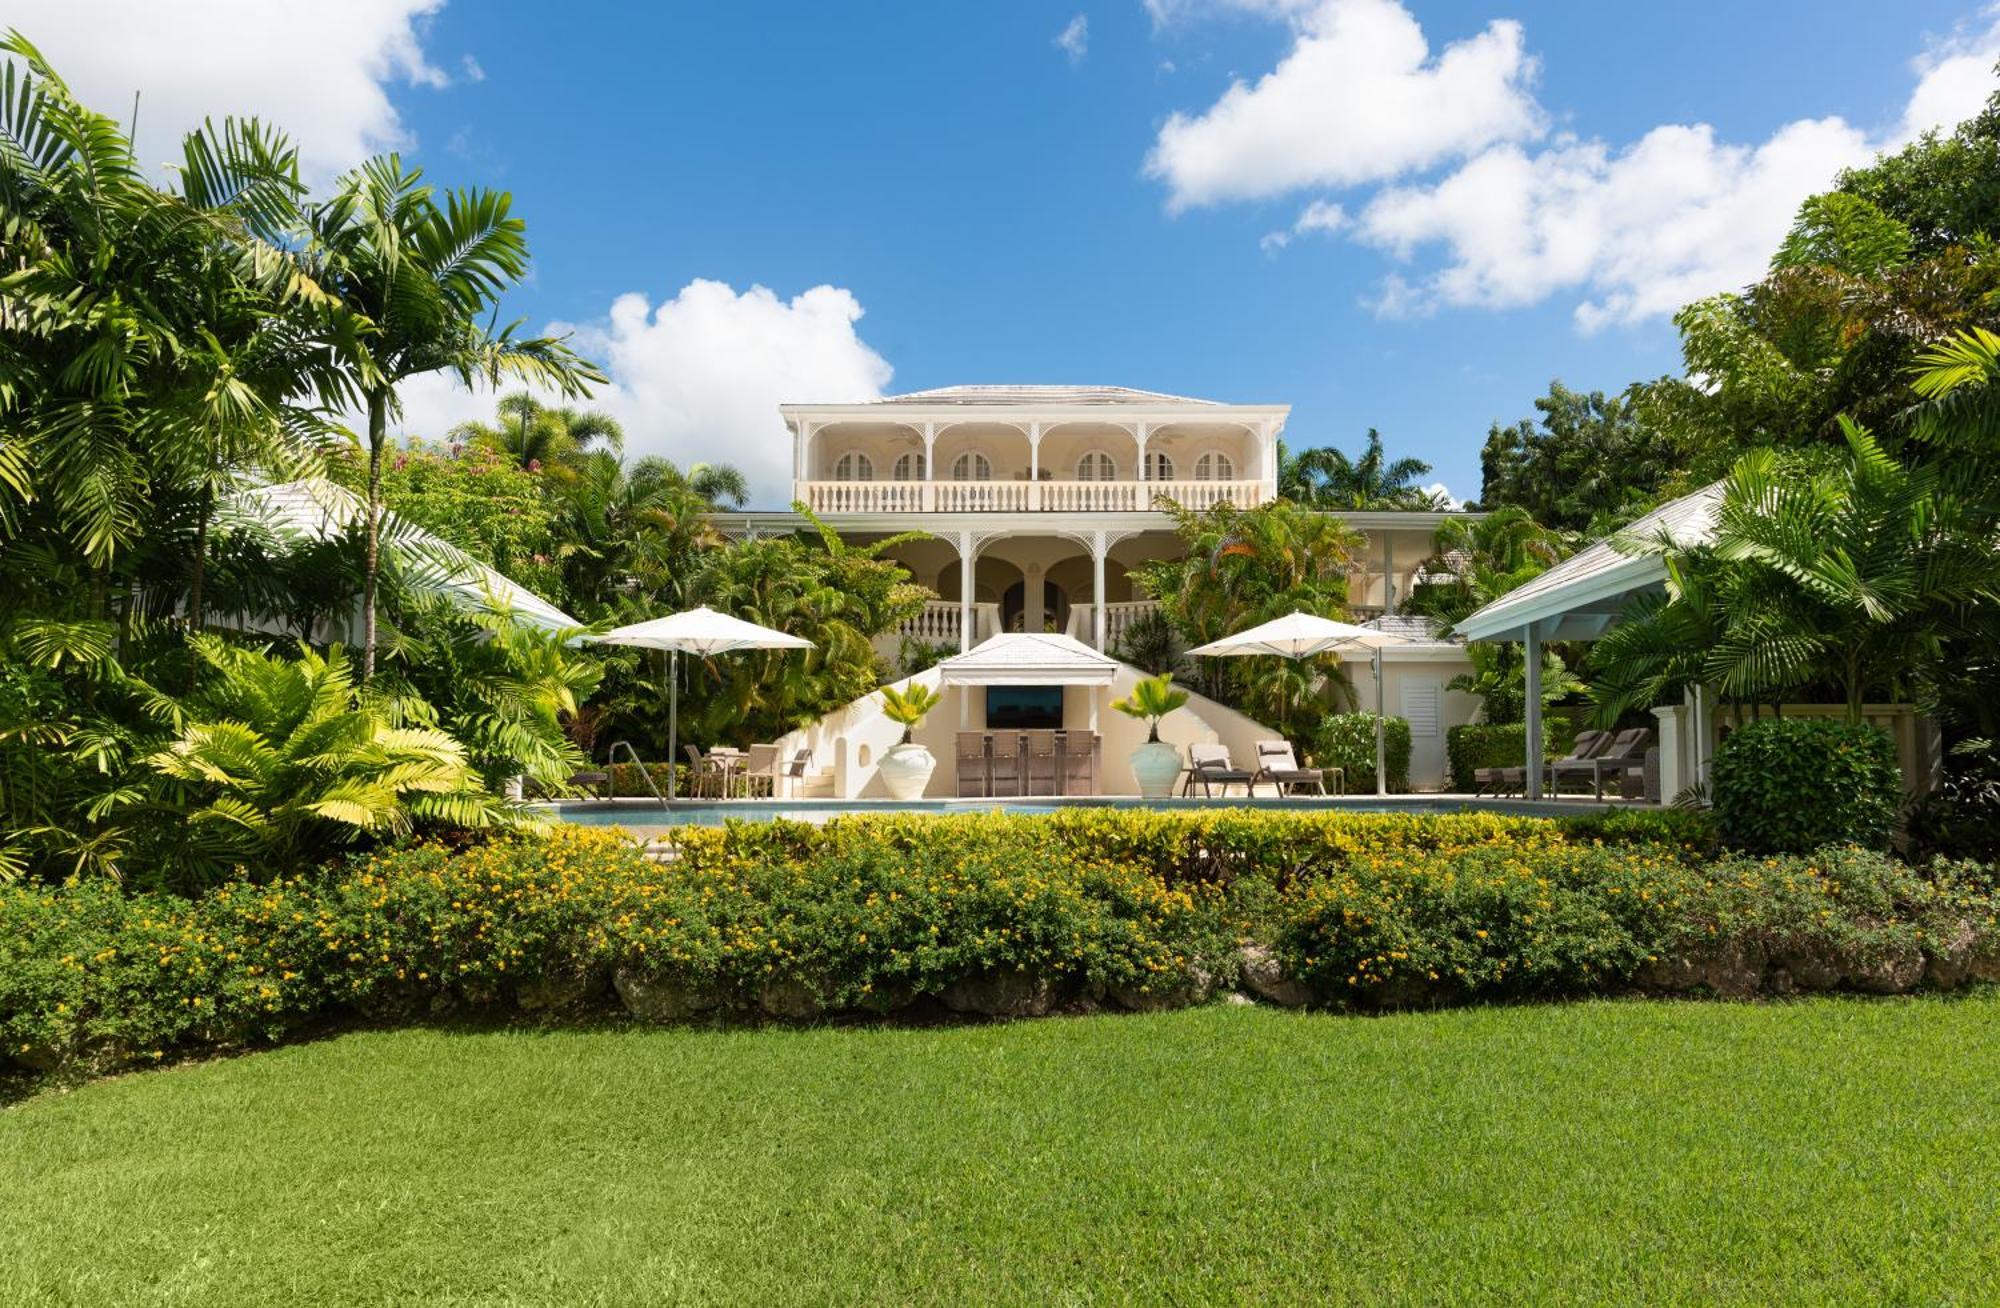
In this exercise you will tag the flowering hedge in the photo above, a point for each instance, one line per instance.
(988, 914)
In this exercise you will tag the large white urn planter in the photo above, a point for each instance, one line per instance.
(906, 769)
(1155, 766)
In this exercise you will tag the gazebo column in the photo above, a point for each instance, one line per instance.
(1532, 651)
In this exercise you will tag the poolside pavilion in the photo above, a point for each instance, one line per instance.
(1582, 597)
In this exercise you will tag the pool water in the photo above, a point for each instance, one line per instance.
(643, 814)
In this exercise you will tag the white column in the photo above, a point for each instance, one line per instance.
(1140, 433)
(1388, 572)
(1533, 653)
(964, 591)
(930, 467)
(1672, 734)
(1034, 465)
(1097, 552)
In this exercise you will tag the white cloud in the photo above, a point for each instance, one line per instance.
(322, 74)
(1359, 98)
(1074, 39)
(698, 378)
(1954, 78)
(1633, 231)
(1640, 231)
(1321, 216)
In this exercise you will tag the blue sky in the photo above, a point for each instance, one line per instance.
(984, 203)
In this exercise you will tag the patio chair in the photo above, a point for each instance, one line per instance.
(1038, 762)
(794, 770)
(760, 771)
(708, 775)
(1210, 765)
(1005, 763)
(969, 754)
(1277, 765)
(1620, 752)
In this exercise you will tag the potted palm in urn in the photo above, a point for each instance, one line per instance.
(907, 767)
(1155, 764)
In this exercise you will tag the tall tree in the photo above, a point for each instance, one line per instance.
(1326, 478)
(416, 280)
(1586, 464)
(537, 435)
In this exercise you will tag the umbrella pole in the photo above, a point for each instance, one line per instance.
(673, 717)
(1381, 746)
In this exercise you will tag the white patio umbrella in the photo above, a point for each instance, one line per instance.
(1300, 636)
(700, 631)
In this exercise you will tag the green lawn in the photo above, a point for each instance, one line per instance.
(1825, 1151)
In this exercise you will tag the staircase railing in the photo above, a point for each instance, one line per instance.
(611, 760)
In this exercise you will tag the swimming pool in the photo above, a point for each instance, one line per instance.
(645, 814)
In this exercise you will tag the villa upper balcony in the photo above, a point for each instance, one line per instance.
(1023, 496)
(1032, 449)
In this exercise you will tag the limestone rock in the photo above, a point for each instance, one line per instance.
(553, 990)
(1265, 977)
(1001, 994)
(789, 998)
(660, 999)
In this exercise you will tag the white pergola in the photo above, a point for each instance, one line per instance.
(1580, 599)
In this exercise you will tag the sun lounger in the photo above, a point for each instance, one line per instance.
(1624, 750)
(1277, 765)
(1210, 765)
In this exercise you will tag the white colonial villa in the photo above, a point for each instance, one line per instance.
(1041, 499)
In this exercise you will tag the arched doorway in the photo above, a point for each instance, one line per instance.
(1014, 604)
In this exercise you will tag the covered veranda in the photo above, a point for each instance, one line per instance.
(1579, 600)
(1582, 597)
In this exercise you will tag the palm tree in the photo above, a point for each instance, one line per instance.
(1475, 561)
(634, 530)
(536, 435)
(415, 281)
(1849, 574)
(156, 340)
(1326, 478)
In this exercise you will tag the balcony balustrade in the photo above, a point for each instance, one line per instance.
(1022, 496)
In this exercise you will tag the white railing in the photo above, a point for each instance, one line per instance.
(938, 624)
(1117, 617)
(1021, 496)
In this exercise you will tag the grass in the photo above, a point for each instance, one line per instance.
(1822, 1151)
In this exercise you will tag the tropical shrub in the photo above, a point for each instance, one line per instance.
(992, 913)
(280, 761)
(1791, 785)
(1152, 698)
(1475, 745)
(1347, 740)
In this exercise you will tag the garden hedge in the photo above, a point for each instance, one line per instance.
(984, 914)
(1474, 745)
(1788, 785)
(1347, 740)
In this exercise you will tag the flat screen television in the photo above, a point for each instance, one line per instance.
(1023, 708)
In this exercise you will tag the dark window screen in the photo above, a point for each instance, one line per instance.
(1023, 708)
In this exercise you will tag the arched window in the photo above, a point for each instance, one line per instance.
(853, 466)
(1214, 466)
(1158, 466)
(971, 467)
(910, 467)
(1096, 466)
